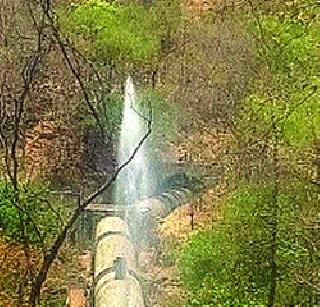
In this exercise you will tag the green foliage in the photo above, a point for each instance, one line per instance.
(285, 91)
(304, 11)
(298, 123)
(118, 32)
(291, 46)
(30, 206)
(230, 264)
(302, 128)
(291, 51)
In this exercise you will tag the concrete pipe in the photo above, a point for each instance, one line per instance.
(115, 285)
(112, 225)
(118, 293)
(112, 241)
(111, 247)
(160, 206)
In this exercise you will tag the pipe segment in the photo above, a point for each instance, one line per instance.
(113, 240)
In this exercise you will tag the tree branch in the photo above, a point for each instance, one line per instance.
(73, 70)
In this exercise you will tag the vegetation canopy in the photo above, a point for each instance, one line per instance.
(232, 89)
(108, 31)
(231, 263)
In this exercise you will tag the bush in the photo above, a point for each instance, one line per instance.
(122, 32)
(291, 52)
(29, 205)
(231, 263)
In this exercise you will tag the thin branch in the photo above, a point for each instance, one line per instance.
(140, 114)
(91, 65)
(54, 211)
(28, 75)
(274, 216)
(2, 106)
(75, 73)
(263, 40)
(113, 178)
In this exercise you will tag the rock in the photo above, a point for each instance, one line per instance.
(76, 298)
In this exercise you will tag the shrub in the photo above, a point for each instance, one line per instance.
(231, 263)
(29, 205)
(291, 52)
(120, 32)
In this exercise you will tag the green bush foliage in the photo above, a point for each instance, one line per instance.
(29, 207)
(129, 32)
(298, 123)
(230, 264)
(290, 50)
(113, 29)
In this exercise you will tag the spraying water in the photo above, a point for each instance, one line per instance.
(132, 183)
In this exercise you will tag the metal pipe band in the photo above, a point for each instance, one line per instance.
(112, 224)
(107, 271)
(112, 233)
(111, 247)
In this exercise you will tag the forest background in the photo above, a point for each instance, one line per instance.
(231, 83)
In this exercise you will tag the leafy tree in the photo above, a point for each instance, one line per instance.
(32, 203)
(255, 254)
(291, 52)
(230, 263)
(130, 32)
